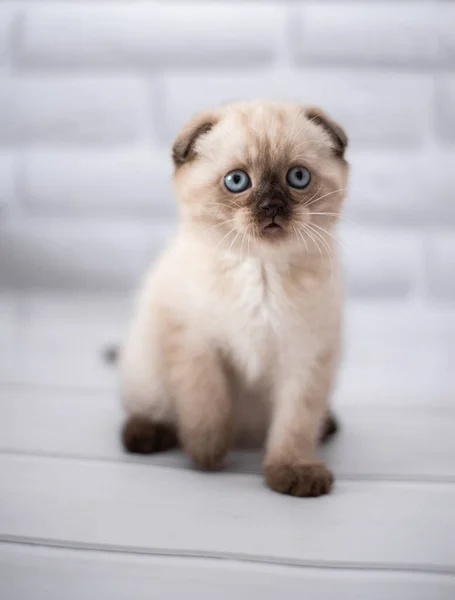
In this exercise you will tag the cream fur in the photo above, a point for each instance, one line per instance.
(237, 339)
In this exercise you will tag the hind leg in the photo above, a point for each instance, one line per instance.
(150, 420)
(141, 435)
(150, 424)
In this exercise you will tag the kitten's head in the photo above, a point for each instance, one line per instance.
(266, 175)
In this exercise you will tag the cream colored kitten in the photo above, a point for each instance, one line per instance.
(236, 333)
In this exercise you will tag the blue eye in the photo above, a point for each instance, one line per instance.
(298, 177)
(237, 181)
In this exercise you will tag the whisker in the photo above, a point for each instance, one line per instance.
(241, 246)
(218, 225)
(314, 240)
(315, 194)
(223, 238)
(296, 229)
(224, 205)
(321, 237)
(304, 241)
(329, 250)
(328, 233)
(324, 196)
(233, 241)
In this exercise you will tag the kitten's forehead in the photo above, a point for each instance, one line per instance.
(257, 133)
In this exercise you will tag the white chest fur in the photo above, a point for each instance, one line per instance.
(259, 321)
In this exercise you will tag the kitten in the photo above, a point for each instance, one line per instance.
(236, 333)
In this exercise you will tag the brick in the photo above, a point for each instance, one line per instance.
(440, 267)
(375, 108)
(99, 182)
(6, 24)
(367, 33)
(160, 34)
(445, 109)
(440, 200)
(446, 28)
(9, 322)
(7, 178)
(56, 253)
(90, 109)
(380, 262)
(393, 188)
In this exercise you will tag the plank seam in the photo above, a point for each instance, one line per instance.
(232, 556)
(386, 478)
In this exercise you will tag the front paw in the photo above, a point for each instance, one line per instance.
(299, 479)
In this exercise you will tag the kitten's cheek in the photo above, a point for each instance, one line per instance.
(243, 221)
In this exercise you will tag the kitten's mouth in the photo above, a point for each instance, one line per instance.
(272, 227)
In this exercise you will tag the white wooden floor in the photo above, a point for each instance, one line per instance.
(79, 519)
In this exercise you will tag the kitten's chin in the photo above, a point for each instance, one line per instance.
(274, 229)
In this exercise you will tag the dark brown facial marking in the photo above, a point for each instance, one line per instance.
(336, 132)
(142, 436)
(272, 202)
(299, 480)
(329, 427)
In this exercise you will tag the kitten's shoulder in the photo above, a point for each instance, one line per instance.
(175, 270)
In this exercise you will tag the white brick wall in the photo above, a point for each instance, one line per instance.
(75, 254)
(7, 178)
(164, 34)
(6, 25)
(370, 33)
(370, 105)
(92, 92)
(440, 266)
(445, 102)
(63, 109)
(101, 182)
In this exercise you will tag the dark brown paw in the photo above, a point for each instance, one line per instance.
(299, 480)
(329, 427)
(144, 437)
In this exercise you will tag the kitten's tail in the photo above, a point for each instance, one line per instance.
(111, 354)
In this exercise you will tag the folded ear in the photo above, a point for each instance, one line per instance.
(336, 132)
(183, 149)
